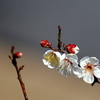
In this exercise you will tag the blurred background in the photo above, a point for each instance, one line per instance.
(24, 23)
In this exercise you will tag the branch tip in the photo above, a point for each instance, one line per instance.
(12, 50)
(21, 68)
(59, 27)
(10, 57)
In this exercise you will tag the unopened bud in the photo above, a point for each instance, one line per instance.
(72, 48)
(17, 54)
(45, 43)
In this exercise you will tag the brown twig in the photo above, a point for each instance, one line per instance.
(18, 69)
(59, 38)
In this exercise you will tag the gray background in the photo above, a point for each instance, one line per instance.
(24, 23)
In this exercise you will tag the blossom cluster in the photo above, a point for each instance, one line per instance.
(66, 62)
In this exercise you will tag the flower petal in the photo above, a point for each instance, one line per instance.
(74, 62)
(72, 56)
(51, 67)
(63, 56)
(45, 62)
(94, 60)
(97, 72)
(47, 52)
(65, 67)
(64, 64)
(88, 78)
(78, 72)
(66, 71)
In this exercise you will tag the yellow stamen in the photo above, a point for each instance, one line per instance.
(52, 58)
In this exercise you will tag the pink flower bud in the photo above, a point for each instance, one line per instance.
(72, 48)
(17, 54)
(45, 43)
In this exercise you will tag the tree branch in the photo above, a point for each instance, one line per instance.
(18, 69)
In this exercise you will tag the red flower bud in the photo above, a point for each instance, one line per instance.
(72, 48)
(45, 43)
(17, 54)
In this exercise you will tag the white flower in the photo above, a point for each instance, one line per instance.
(89, 67)
(51, 58)
(67, 63)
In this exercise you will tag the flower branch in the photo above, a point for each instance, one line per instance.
(18, 69)
(65, 60)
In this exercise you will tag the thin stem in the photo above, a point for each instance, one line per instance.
(53, 48)
(18, 69)
(21, 82)
(59, 38)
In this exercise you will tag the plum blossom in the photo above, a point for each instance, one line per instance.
(67, 64)
(89, 67)
(51, 58)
